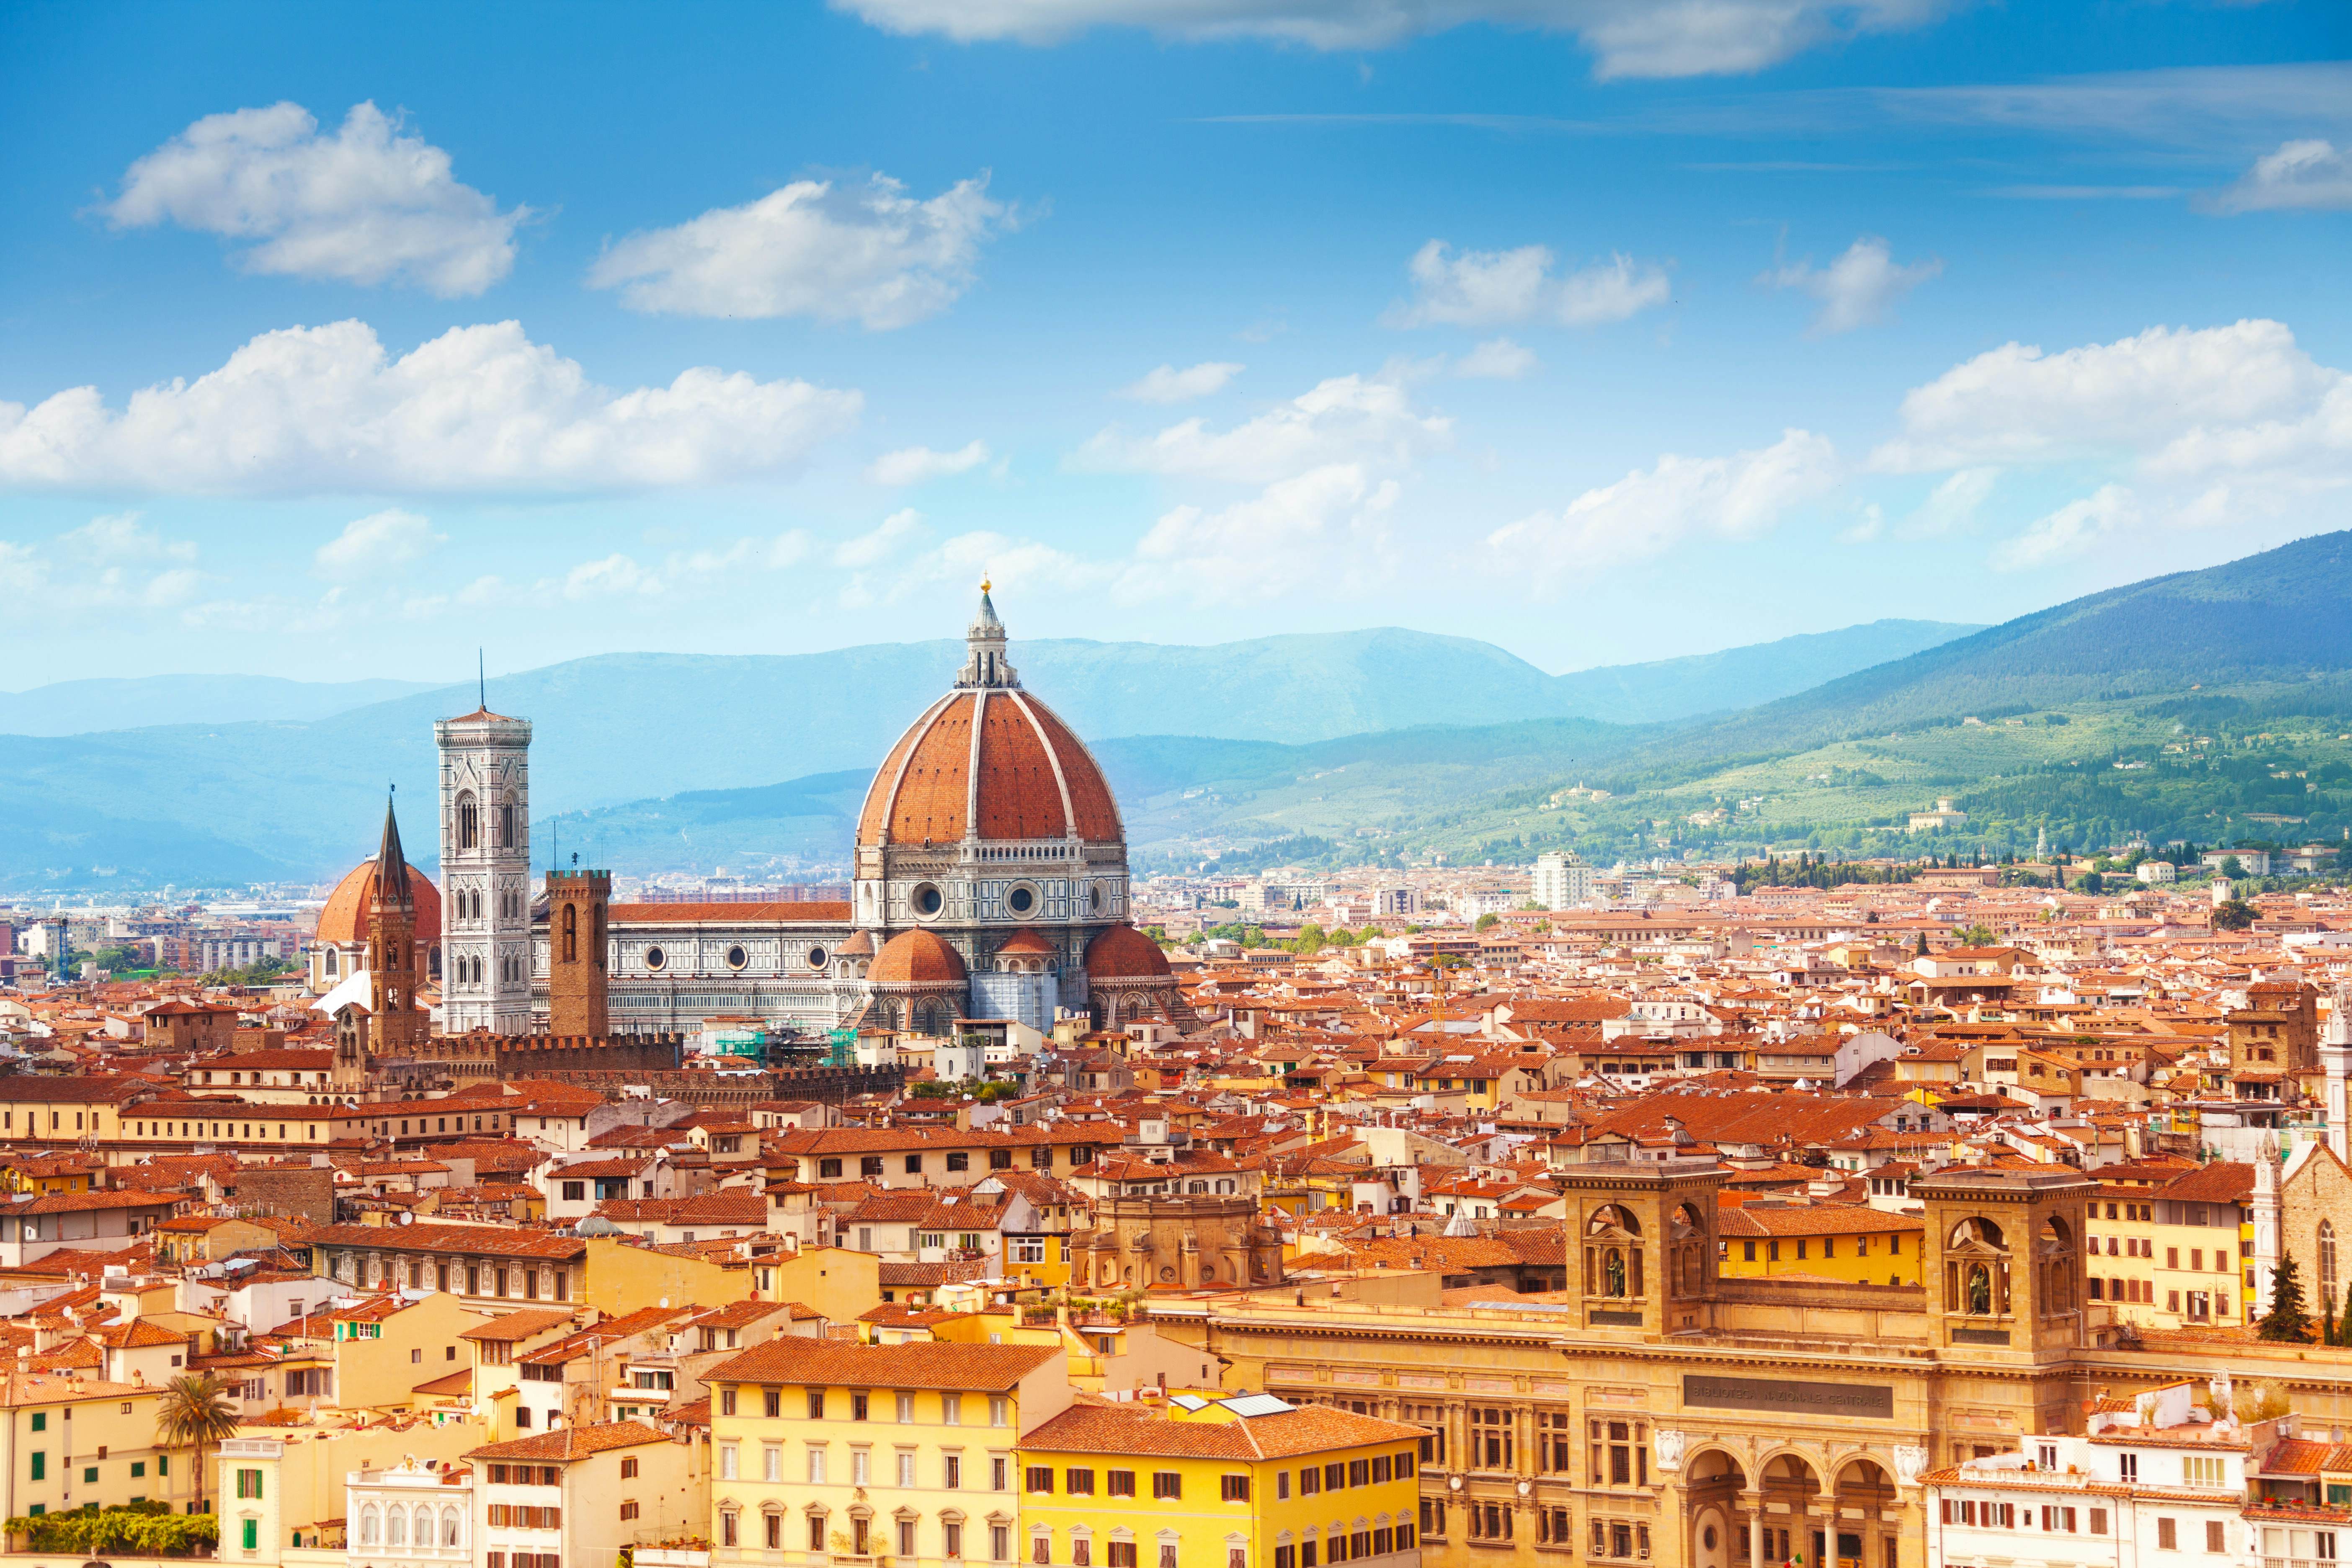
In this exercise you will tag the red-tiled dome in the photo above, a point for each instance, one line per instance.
(1027, 778)
(1123, 952)
(916, 958)
(1027, 943)
(344, 920)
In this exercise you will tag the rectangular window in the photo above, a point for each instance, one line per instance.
(816, 1533)
(2098, 1521)
(1081, 1483)
(1038, 1478)
(2167, 1535)
(858, 1407)
(1167, 1484)
(1380, 1469)
(906, 1469)
(906, 1408)
(1490, 1437)
(248, 1483)
(1117, 1483)
(726, 1402)
(1120, 1554)
(1282, 1486)
(771, 1402)
(954, 1535)
(997, 1466)
(2216, 1536)
(1232, 1489)
(629, 1510)
(771, 1462)
(817, 1464)
(1335, 1476)
(952, 1474)
(40, 1466)
(1286, 1557)
(728, 1459)
(1311, 1481)
(817, 1403)
(251, 1538)
(1433, 1517)
(1360, 1472)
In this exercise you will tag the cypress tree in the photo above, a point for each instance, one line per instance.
(2286, 1321)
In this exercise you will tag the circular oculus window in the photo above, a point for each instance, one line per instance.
(928, 900)
(1021, 899)
(656, 958)
(736, 958)
(1096, 895)
(816, 957)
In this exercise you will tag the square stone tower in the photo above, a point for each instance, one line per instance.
(579, 986)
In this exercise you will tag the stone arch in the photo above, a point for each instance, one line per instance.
(1613, 1261)
(1977, 1268)
(1690, 1256)
(470, 828)
(1862, 1481)
(2056, 1266)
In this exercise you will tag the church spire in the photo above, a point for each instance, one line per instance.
(984, 662)
(391, 864)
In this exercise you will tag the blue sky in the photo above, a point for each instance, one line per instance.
(340, 341)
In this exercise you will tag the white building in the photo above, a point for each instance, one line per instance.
(2155, 871)
(2157, 1480)
(486, 936)
(418, 1512)
(1562, 881)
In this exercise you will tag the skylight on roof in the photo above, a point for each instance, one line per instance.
(1188, 1402)
(1247, 1404)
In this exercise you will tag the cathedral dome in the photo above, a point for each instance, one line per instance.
(988, 760)
(916, 958)
(1123, 952)
(343, 923)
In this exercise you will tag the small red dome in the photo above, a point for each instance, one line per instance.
(916, 958)
(1027, 943)
(344, 921)
(1123, 952)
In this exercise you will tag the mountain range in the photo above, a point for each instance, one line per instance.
(270, 797)
(2227, 690)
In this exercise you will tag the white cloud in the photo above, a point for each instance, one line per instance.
(614, 575)
(1858, 289)
(2201, 426)
(1483, 288)
(1325, 528)
(1346, 420)
(367, 205)
(1952, 505)
(112, 563)
(884, 542)
(836, 252)
(381, 542)
(2310, 174)
(1498, 359)
(1626, 37)
(480, 407)
(1652, 510)
(913, 464)
(2071, 530)
(1169, 384)
(2138, 395)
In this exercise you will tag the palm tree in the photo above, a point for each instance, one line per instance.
(198, 1412)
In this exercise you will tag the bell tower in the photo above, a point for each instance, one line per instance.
(578, 982)
(396, 1023)
(2003, 1258)
(1642, 1243)
(484, 872)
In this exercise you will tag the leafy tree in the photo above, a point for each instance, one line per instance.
(2231, 866)
(2234, 915)
(2286, 1321)
(1484, 923)
(1977, 936)
(148, 1528)
(1310, 940)
(1921, 950)
(197, 1412)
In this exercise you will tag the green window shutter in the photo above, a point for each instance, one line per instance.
(252, 1534)
(40, 1466)
(40, 1420)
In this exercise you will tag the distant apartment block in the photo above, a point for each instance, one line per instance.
(1562, 881)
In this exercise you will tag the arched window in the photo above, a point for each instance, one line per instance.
(395, 1528)
(453, 1529)
(370, 1526)
(468, 830)
(2326, 1262)
(599, 937)
(507, 839)
(424, 1536)
(329, 962)
(571, 932)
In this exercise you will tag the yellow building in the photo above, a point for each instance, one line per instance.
(824, 1449)
(2176, 1254)
(75, 1442)
(1828, 1241)
(386, 1345)
(1204, 1481)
